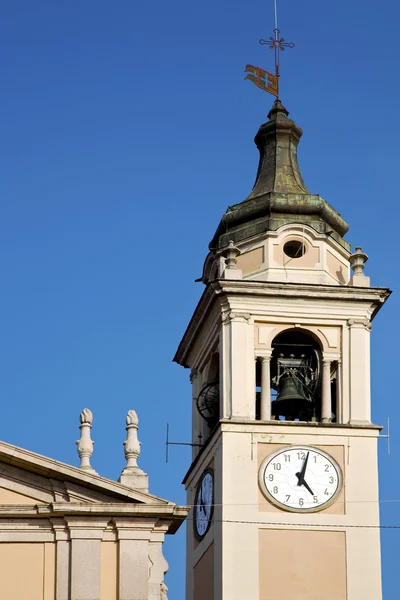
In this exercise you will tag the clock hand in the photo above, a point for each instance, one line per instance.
(308, 487)
(303, 470)
(300, 476)
(201, 499)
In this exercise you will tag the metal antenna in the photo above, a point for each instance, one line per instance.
(387, 436)
(276, 43)
(168, 443)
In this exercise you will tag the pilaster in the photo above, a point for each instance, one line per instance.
(158, 566)
(133, 542)
(238, 366)
(265, 357)
(86, 557)
(62, 559)
(360, 395)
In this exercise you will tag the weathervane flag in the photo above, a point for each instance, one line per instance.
(263, 79)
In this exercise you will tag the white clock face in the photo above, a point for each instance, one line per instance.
(300, 479)
(204, 504)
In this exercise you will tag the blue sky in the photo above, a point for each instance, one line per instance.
(126, 130)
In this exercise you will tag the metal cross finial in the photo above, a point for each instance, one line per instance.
(276, 43)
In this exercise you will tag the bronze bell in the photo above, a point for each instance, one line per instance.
(292, 403)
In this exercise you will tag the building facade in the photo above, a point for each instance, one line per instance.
(284, 488)
(68, 534)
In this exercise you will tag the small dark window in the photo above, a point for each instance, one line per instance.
(294, 249)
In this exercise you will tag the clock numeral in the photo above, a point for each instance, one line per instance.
(301, 502)
(270, 477)
(331, 479)
(315, 458)
(327, 468)
(326, 492)
(277, 466)
(287, 497)
(301, 455)
(315, 499)
(275, 489)
(287, 457)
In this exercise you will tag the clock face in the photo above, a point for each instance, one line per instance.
(300, 479)
(204, 504)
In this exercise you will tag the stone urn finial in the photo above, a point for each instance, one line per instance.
(357, 262)
(132, 475)
(230, 253)
(85, 444)
(132, 444)
(229, 260)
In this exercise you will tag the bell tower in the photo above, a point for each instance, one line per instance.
(284, 488)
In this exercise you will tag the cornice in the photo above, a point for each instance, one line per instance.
(50, 468)
(220, 289)
(64, 516)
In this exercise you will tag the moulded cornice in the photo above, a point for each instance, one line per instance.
(276, 428)
(223, 288)
(304, 290)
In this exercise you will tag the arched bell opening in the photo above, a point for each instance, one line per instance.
(296, 377)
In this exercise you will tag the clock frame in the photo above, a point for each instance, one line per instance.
(328, 475)
(200, 531)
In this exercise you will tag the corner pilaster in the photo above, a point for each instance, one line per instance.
(360, 394)
(133, 559)
(238, 390)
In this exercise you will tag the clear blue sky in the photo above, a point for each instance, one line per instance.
(126, 130)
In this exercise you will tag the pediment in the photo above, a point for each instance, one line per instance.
(27, 478)
(19, 486)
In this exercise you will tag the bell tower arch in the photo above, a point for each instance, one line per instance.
(284, 488)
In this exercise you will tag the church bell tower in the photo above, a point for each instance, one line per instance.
(284, 486)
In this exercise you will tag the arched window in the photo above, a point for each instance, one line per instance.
(296, 369)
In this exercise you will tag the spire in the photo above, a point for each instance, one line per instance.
(277, 141)
(279, 195)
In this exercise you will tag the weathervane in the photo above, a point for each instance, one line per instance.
(263, 79)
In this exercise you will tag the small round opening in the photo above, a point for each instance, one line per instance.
(294, 249)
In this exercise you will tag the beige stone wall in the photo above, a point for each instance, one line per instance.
(27, 571)
(11, 497)
(302, 565)
(204, 576)
(337, 268)
(109, 573)
(250, 261)
(81, 565)
(241, 554)
(324, 260)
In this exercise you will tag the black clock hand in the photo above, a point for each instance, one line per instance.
(308, 487)
(300, 476)
(201, 499)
